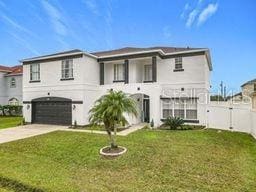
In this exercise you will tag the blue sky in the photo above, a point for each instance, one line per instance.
(228, 28)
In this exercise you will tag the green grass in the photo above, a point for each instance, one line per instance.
(201, 160)
(96, 128)
(6, 122)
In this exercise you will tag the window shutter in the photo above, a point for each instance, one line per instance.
(126, 73)
(154, 69)
(101, 73)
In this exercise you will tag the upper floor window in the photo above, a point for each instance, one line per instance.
(35, 72)
(254, 87)
(178, 63)
(67, 69)
(118, 72)
(13, 83)
(147, 72)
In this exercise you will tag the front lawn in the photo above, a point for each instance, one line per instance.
(96, 128)
(6, 122)
(202, 160)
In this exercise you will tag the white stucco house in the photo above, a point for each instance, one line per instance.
(165, 81)
(11, 85)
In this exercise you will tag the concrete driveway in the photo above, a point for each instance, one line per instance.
(22, 132)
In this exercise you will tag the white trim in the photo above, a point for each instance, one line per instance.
(188, 51)
(132, 53)
(56, 56)
(153, 50)
(16, 74)
(2, 70)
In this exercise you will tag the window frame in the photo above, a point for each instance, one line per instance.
(117, 72)
(13, 83)
(35, 72)
(178, 64)
(13, 102)
(185, 108)
(67, 70)
(148, 73)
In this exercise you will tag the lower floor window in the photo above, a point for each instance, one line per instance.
(13, 101)
(185, 108)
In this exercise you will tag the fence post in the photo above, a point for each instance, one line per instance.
(231, 118)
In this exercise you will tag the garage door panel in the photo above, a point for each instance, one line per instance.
(49, 112)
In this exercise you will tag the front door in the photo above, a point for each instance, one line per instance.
(146, 110)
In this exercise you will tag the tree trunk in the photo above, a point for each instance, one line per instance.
(112, 139)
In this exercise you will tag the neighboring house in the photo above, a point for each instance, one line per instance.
(61, 88)
(248, 94)
(11, 85)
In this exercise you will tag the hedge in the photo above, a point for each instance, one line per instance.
(10, 110)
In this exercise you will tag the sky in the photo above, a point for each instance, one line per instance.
(31, 28)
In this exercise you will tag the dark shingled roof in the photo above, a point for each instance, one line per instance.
(249, 82)
(136, 49)
(57, 54)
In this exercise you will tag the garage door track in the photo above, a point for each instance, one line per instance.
(22, 132)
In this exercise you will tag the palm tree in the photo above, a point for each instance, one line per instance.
(110, 109)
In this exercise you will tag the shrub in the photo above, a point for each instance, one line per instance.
(173, 122)
(192, 127)
(152, 124)
(11, 110)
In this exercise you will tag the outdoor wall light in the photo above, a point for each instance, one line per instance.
(28, 107)
(74, 107)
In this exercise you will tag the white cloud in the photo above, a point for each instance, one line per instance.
(207, 13)
(24, 43)
(191, 18)
(92, 6)
(185, 9)
(56, 18)
(15, 25)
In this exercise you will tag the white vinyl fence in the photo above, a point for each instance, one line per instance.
(253, 115)
(226, 116)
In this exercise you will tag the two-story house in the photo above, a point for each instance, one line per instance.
(61, 88)
(247, 95)
(11, 85)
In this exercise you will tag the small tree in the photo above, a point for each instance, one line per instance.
(110, 110)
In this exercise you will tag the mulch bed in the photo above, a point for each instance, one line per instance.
(112, 150)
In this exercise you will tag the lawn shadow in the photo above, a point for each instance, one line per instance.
(17, 186)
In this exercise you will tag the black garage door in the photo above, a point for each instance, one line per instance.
(52, 110)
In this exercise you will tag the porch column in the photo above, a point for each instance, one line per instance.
(101, 73)
(154, 69)
(126, 71)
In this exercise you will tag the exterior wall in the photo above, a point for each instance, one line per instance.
(194, 71)
(248, 89)
(83, 88)
(14, 92)
(6, 92)
(2, 89)
(153, 90)
(254, 102)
